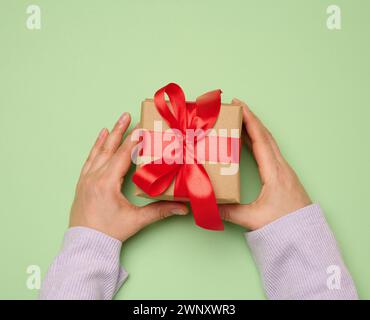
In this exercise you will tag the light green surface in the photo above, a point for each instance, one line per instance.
(93, 60)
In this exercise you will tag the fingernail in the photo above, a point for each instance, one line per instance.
(123, 118)
(179, 212)
(102, 133)
(245, 110)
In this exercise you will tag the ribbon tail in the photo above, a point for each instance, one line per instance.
(202, 198)
(154, 178)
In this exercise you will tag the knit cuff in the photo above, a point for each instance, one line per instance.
(286, 227)
(294, 254)
(92, 244)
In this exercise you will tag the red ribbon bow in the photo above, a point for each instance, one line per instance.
(191, 180)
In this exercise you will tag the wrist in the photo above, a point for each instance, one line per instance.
(274, 214)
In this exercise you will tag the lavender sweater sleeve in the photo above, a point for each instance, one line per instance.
(294, 255)
(87, 267)
(298, 258)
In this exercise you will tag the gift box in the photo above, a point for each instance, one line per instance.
(190, 151)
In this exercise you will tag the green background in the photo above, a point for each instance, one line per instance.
(92, 60)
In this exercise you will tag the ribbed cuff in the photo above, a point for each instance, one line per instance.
(308, 216)
(295, 254)
(87, 267)
(92, 243)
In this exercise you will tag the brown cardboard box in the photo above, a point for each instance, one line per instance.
(226, 187)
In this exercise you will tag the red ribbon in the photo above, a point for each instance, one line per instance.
(191, 180)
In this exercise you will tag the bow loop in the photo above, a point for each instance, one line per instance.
(208, 108)
(175, 118)
(154, 178)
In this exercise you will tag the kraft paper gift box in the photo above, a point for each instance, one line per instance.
(226, 186)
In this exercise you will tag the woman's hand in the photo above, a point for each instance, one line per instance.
(281, 192)
(99, 203)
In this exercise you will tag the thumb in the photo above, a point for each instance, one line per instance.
(162, 209)
(241, 214)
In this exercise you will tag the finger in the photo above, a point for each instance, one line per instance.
(241, 214)
(261, 142)
(115, 138)
(160, 210)
(255, 129)
(274, 146)
(273, 143)
(107, 150)
(121, 161)
(94, 151)
(245, 138)
(243, 135)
